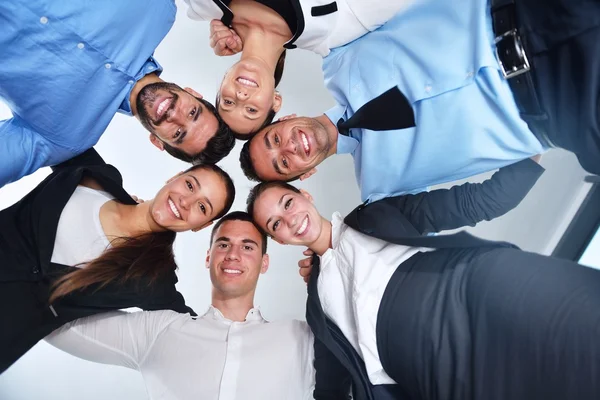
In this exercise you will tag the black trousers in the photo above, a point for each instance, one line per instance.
(489, 324)
(562, 39)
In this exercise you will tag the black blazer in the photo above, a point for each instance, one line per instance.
(404, 220)
(27, 234)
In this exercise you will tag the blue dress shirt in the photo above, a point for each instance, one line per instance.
(67, 67)
(441, 55)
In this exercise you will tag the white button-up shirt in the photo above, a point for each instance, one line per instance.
(352, 280)
(208, 357)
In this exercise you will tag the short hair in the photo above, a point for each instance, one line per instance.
(248, 167)
(245, 136)
(240, 216)
(259, 189)
(217, 147)
(226, 179)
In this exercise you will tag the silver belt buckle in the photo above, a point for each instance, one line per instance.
(507, 71)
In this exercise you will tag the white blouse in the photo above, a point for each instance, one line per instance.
(321, 33)
(79, 235)
(353, 278)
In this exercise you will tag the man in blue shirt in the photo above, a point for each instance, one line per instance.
(68, 66)
(469, 118)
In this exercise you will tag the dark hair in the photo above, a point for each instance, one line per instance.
(149, 255)
(271, 114)
(217, 147)
(248, 167)
(240, 216)
(259, 189)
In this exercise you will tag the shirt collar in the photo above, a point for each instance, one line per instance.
(345, 144)
(254, 314)
(150, 66)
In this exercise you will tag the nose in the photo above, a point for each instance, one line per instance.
(291, 220)
(242, 94)
(186, 201)
(233, 253)
(291, 147)
(174, 115)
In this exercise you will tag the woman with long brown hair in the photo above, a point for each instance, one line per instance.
(79, 245)
(247, 100)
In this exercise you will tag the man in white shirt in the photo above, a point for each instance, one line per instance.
(230, 352)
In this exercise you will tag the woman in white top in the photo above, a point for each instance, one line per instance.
(78, 244)
(247, 100)
(459, 321)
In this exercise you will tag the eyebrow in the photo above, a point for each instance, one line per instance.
(226, 239)
(276, 166)
(279, 204)
(205, 198)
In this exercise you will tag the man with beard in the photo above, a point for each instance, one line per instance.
(230, 352)
(69, 66)
(437, 95)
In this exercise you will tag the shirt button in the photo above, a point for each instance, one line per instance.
(107, 66)
(131, 82)
(469, 74)
(80, 45)
(44, 20)
(35, 269)
(428, 88)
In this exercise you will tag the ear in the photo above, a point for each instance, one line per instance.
(277, 101)
(308, 174)
(286, 117)
(156, 142)
(193, 92)
(207, 261)
(209, 223)
(265, 264)
(307, 195)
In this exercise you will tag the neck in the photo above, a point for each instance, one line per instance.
(139, 85)
(233, 308)
(332, 132)
(323, 242)
(132, 220)
(263, 45)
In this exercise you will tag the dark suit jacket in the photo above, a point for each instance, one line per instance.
(404, 220)
(27, 233)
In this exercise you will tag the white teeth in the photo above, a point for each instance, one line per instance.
(161, 107)
(232, 271)
(302, 228)
(174, 209)
(247, 82)
(305, 142)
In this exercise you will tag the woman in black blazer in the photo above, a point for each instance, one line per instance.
(407, 316)
(137, 269)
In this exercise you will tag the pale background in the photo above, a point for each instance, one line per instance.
(48, 374)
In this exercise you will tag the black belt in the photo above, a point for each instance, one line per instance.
(511, 52)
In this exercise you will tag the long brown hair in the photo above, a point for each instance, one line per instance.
(148, 256)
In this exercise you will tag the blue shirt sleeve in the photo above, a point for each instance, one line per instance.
(23, 151)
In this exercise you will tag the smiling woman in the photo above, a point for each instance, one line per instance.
(79, 244)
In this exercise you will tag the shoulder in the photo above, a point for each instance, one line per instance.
(203, 10)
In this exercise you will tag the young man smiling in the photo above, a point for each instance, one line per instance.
(230, 352)
(494, 84)
(69, 66)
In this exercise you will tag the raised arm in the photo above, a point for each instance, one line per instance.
(117, 338)
(470, 203)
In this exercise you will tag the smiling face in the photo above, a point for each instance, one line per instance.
(247, 95)
(175, 117)
(235, 259)
(289, 217)
(290, 148)
(189, 201)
